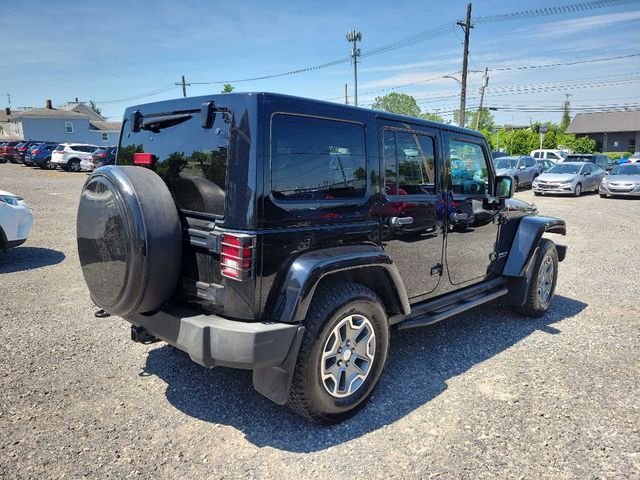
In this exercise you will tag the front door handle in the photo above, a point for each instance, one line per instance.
(398, 221)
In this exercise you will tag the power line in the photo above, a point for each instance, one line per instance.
(407, 41)
(435, 32)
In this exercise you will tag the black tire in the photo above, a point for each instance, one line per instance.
(334, 301)
(603, 195)
(534, 305)
(578, 190)
(73, 165)
(517, 184)
(48, 164)
(537, 194)
(129, 240)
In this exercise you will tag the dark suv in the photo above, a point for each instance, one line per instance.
(289, 236)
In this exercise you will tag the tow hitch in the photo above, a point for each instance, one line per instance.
(141, 335)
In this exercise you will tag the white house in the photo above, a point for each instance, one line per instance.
(70, 123)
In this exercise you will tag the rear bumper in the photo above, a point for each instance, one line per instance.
(212, 341)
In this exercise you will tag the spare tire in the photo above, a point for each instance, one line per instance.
(129, 239)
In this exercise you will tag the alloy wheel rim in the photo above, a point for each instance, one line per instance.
(347, 356)
(545, 280)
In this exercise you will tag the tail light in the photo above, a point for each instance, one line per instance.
(143, 158)
(35, 152)
(236, 258)
(101, 155)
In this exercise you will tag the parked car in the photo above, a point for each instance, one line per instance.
(69, 155)
(635, 158)
(15, 220)
(603, 161)
(269, 255)
(624, 180)
(40, 155)
(523, 169)
(21, 149)
(569, 178)
(545, 165)
(99, 158)
(497, 154)
(554, 155)
(7, 150)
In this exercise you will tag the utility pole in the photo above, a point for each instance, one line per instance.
(346, 95)
(466, 26)
(485, 82)
(9, 99)
(184, 86)
(354, 37)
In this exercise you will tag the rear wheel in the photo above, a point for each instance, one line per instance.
(603, 195)
(49, 165)
(537, 194)
(516, 184)
(342, 355)
(542, 285)
(74, 165)
(578, 190)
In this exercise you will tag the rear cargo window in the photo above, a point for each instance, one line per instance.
(191, 160)
(317, 159)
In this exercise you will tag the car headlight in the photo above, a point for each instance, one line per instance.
(11, 200)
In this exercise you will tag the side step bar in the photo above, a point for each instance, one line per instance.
(442, 308)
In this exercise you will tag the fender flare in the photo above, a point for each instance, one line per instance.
(526, 240)
(307, 270)
(296, 292)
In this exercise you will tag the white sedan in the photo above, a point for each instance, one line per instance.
(15, 220)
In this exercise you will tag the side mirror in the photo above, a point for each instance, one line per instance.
(522, 167)
(586, 174)
(504, 186)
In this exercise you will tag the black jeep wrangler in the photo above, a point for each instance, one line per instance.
(289, 236)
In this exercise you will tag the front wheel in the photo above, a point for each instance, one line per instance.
(578, 190)
(342, 355)
(542, 285)
(603, 195)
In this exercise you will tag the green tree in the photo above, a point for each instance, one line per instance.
(94, 107)
(434, 117)
(228, 88)
(486, 119)
(397, 103)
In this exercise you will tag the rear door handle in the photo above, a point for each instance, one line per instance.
(397, 221)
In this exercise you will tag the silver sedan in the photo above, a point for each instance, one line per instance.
(623, 180)
(569, 178)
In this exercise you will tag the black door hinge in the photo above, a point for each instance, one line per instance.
(437, 268)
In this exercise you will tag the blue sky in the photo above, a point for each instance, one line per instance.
(108, 50)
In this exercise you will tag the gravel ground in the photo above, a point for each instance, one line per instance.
(484, 395)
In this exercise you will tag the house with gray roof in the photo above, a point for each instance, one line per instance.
(68, 124)
(613, 131)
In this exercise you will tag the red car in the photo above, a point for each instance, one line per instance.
(7, 151)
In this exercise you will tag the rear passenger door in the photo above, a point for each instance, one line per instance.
(411, 206)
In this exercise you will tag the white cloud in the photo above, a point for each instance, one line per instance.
(578, 25)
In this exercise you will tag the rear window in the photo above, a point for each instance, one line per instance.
(579, 158)
(317, 159)
(190, 159)
(59, 148)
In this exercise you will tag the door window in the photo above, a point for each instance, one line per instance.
(529, 162)
(537, 154)
(409, 163)
(317, 159)
(552, 156)
(472, 172)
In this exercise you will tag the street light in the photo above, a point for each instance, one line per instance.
(453, 78)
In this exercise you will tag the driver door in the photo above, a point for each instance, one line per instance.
(472, 231)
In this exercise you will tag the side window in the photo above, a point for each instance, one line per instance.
(409, 163)
(317, 159)
(469, 171)
(552, 156)
(537, 154)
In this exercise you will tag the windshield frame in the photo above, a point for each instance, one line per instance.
(628, 166)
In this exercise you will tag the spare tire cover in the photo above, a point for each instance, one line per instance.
(129, 239)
